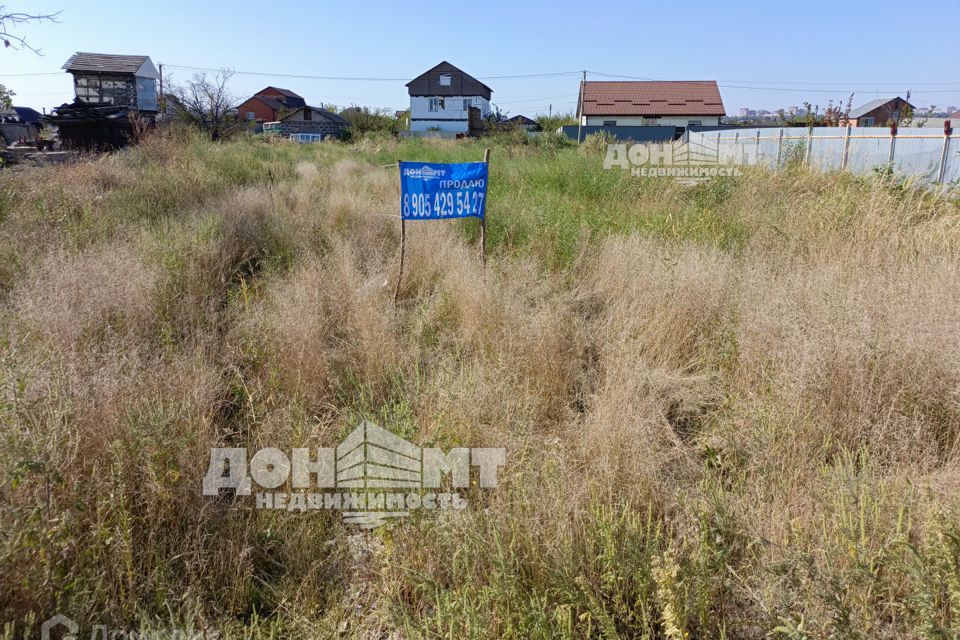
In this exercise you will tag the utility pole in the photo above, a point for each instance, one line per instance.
(163, 100)
(550, 111)
(583, 83)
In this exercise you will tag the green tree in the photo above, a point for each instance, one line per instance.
(6, 97)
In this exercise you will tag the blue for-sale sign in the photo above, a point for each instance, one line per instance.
(434, 191)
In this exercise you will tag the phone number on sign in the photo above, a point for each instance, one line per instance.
(443, 204)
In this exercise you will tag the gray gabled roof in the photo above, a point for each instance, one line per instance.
(105, 63)
(329, 115)
(870, 106)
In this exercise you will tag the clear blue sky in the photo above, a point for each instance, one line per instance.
(816, 50)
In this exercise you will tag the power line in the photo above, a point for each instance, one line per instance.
(530, 75)
(842, 87)
(534, 99)
(362, 78)
(287, 75)
(811, 82)
(29, 75)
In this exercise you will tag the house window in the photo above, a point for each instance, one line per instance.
(251, 115)
(609, 123)
(435, 104)
(694, 123)
(467, 103)
(866, 122)
(895, 116)
(307, 114)
(649, 122)
(444, 79)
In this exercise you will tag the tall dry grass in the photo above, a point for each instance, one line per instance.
(730, 411)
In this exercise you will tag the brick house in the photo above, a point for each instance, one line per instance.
(269, 104)
(878, 113)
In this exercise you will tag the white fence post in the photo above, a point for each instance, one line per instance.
(941, 172)
(779, 147)
(809, 145)
(846, 149)
(736, 146)
(757, 149)
(893, 143)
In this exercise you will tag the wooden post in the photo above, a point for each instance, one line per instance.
(809, 145)
(483, 220)
(779, 148)
(756, 149)
(403, 243)
(846, 150)
(947, 130)
(163, 99)
(893, 143)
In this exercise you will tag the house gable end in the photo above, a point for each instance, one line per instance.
(461, 83)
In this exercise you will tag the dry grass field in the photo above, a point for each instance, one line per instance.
(730, 411)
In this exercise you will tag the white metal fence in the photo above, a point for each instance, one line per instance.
(928, 154)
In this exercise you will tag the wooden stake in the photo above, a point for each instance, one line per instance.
(403, 246)
(483, 220)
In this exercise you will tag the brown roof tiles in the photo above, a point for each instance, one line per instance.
(652, 98)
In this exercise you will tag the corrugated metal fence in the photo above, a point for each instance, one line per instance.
(929, 154)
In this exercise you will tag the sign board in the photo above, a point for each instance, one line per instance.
(437, 191)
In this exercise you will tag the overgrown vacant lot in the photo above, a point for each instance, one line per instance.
(729, 411)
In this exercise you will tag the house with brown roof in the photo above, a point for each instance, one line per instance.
(269, 104)
(441, 99)
(688, 103)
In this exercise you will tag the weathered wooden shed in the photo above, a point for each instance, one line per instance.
(111, 92)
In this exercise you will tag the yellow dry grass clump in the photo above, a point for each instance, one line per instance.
(729, 411)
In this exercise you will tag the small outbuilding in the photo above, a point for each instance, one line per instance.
(523, 122)
(310, 120)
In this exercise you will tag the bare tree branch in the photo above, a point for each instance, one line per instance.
(8, 22)
(205, 103)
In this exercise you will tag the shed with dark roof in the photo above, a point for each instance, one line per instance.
(106, 79)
